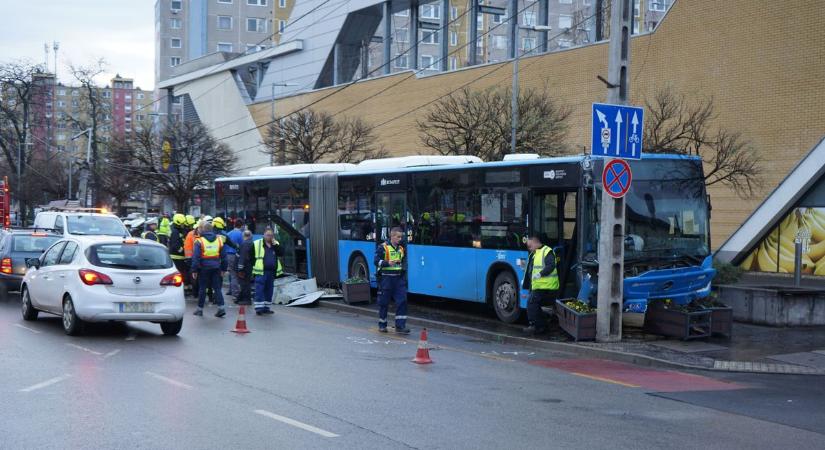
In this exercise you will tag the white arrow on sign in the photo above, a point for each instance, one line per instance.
(605, 126)
(618, 130)
(634, 122)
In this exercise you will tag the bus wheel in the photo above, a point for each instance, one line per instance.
(358, 268)
(505, 298)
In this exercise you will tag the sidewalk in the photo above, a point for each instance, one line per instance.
(755, 349)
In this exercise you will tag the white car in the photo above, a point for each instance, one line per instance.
(80, 223)
(104, 278)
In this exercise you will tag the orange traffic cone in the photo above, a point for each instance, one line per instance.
(240, 324)
(422, 356)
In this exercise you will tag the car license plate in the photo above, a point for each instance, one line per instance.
(137, 307)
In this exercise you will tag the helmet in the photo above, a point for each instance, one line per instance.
(218, 223)
(179, 219)
(190, 220)
(207, 218)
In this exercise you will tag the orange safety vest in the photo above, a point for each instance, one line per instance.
(210, 250)
(189, 244)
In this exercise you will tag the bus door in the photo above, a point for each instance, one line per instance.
(390, 212)
(553, 219)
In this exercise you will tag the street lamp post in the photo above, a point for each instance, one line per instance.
(515, 90)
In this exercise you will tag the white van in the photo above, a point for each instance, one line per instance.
(75, 223)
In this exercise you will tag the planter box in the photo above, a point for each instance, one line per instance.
(678, 324)
(721, 320)
(357, 293)
(581, 326)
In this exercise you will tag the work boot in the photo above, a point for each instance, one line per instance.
(382, 329)
(221, 312)
(269, 311)
(404, 330)
(532, 329)
(198, 312)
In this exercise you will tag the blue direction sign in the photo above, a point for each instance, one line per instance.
(616, 178)
(617, 131)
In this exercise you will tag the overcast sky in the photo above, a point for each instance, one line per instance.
(120, 31)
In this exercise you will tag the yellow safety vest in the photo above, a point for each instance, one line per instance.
(258, 268)
(210, 250)
(391, 254)
(550, 282)
(164, 229)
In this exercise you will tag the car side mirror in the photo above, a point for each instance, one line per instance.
(33, 262)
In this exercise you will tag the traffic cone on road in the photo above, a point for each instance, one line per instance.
(240, 324)
(422, 356)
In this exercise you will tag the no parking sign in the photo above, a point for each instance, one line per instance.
(616, 178)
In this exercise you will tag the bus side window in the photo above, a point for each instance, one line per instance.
(545, 217)
(569, 215)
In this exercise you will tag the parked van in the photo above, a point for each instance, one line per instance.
(68, 222)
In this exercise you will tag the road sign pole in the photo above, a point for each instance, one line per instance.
(611, 237)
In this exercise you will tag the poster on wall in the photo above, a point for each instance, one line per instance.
(775, 253)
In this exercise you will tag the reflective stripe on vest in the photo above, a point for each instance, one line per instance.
(258, 267)
(391, 254)
(550, 282)
(210, 250)
(151, 235)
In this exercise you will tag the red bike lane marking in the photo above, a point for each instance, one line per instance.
(656, 380)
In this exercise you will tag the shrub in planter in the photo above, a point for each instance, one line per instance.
(356, 290)
(576, 318)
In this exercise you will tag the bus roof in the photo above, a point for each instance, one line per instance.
(356, 171)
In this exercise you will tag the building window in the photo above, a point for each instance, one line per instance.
(140, 117)
(529, 18)
(281, 3)
(453, 63)
(499, 42)
(61, 104)
(175, 23)
(176, 5)
(175, 43)
(429, 37)
(127, 96)
(61, 137)
(480, 22)
(453, 38)
(75, 104)
(566, 2)
(281, 26)
(401, 61)
(128, 107)
(174, 61)
(255, 24)
(224, 22)
(176, 100)
(140, 96)
(498, 18)
(565, 22)
(61, 92)
(528, 44)
(224, 46)
(427, 62)
(256, 2)
(402, 13)
(430, 11)
(228, 2)
(453, 13)
(402, 35)
(657, 5)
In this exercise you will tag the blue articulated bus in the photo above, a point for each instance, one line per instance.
(467, 222)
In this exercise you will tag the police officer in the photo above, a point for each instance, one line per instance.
(208, 267)
(541, 278)
(265, 268)
(150, 232)
(391, 261)
(164, 230)
(176, 238)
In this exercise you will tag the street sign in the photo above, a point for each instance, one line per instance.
(616, 178)
(617, 131)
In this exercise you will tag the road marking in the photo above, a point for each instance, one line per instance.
(46, 383)
(169, 380)
(111, 353)
(84, 349)
(26, 328)
(295, 423)
(606, 380)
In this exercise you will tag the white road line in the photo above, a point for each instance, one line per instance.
(26, 328)
(46, 383)
(295, 423)
(84, 349)
(111, 353)
(169, 380)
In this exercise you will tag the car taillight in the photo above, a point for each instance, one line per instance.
(5, 265)
(90, 277)
(173, 279)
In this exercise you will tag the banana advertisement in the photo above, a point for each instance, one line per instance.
(776, 252)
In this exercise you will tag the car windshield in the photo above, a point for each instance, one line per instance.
(129, 256)
(100, 225)
(32, 243)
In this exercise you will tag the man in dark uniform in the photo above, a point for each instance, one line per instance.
(541, 278)
(391, 263)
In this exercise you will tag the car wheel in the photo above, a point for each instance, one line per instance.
(359, 268)
(171, 328)
(29, 313)
(505, 298)
(72, 324)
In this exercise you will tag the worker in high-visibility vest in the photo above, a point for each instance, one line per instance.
(391, 263)
(208, 268)
(164, 229)
(263, 257)
(541, 278)
(150, 232)
(231, 254)
(176, 239)
(188, 248)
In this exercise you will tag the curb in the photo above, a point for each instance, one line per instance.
(582, 350)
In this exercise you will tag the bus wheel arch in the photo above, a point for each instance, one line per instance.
(503, 293)
(358, 266)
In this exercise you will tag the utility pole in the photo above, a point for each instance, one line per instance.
(611, 238)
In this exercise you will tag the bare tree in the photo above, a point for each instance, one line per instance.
(115, 179)
(311, 136)
(90, 114)
(676, 125)
(188, 159)
(478, 123)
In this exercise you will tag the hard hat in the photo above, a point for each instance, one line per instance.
(218, 223)
(425, 216)
(207, 218)
(190, 220)
(179, 219)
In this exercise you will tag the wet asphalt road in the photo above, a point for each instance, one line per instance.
(316, 378)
